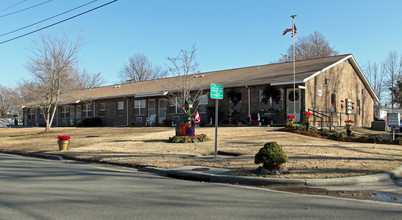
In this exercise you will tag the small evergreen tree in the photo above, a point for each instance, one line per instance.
(271, 154)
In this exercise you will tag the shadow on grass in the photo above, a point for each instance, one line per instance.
(157, 141)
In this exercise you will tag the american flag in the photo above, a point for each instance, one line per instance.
(290, 30)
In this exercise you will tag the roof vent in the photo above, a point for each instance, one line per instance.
(117, 86)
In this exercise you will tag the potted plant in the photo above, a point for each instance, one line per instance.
(271, 156)
(63, 141)
(290, 119)
(307, 116)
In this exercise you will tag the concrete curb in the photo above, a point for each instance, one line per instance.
(37, 155)
(246, 180)
(256, 181)
(260, 181)
(158, 171)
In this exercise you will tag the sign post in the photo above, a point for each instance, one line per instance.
(393, 122)
(216, 93)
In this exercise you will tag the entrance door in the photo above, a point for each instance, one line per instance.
(162, 110)
(291, 99)
(78, 115)
(72, 115)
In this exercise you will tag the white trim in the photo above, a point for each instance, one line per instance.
(301, 87)
(354, 64)
(327, 68)
(357, 69)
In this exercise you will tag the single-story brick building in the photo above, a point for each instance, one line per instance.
(323, 86)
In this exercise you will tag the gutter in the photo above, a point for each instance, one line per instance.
(150, 95)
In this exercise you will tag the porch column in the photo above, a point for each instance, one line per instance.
(248, 100)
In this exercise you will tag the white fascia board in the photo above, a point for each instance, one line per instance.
(286, 83)
(358, 71)
(327, 68)
(365, 81)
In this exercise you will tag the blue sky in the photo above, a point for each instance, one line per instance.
(227, 34)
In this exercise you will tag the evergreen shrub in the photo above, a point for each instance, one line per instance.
(271, 154)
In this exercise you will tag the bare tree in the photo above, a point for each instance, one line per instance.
(392, 67)
(85, 80)
(10, 102)
(139, 69)
(397, 92)
(52, 64)
(185, 68)
(375, 76)
(311, 47)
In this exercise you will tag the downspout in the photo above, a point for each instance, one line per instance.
(249, 102)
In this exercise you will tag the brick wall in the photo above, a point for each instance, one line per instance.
(343, 82)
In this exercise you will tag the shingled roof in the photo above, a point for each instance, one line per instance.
(273, 74)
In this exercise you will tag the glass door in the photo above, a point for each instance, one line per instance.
(162, 110)
(72, 115)
(292, 100)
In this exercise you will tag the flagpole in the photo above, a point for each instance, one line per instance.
(294, 65)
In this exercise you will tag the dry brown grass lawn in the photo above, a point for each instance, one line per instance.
(308, 157)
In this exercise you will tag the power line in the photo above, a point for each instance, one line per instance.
(15, 12)
(13, 5)
(58, 22)
(1, 35)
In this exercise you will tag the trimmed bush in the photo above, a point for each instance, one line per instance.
(271, 154)
(398, 140)
(299, 126)
(176, 139)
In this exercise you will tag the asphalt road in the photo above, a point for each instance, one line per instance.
(32, 188)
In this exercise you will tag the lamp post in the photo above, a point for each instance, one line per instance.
(189, 107)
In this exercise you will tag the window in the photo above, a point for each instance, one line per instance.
(31, 113)
(64, 111)
(235, 102)
(271, 103)
(102, 109)
(202, 103)
(87, 110)
(333, 103)
(140, 107)
(358, 107)
(120, 108)
(151, 107)
(174, 105)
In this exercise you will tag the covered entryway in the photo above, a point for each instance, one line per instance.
(291, 99)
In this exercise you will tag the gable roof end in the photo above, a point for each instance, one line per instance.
(356, 67)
